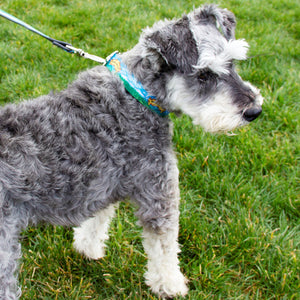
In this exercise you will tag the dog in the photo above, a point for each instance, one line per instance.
(69, 158)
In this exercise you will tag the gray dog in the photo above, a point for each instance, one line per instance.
(69, 158)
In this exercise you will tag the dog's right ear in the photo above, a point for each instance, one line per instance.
(174, 43)
(212, 14)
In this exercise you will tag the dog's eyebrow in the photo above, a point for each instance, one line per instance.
(220, 62)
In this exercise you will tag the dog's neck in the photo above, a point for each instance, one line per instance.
(116, 65)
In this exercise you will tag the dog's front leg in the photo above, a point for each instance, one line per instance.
(163, 274)
(158, 198)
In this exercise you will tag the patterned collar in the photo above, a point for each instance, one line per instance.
(132, 85)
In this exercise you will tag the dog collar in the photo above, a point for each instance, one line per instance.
(132, 85)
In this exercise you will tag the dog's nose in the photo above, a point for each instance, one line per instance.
(252, 113)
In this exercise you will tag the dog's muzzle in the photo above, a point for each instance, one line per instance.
(252, 113)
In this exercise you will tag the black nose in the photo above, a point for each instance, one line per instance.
(252, 113)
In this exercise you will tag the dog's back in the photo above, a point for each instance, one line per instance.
(66, 155)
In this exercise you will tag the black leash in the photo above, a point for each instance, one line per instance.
(133, 86)
(62, 45)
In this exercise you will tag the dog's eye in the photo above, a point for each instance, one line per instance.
(203, 76)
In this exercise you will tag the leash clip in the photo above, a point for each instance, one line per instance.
(62, 45)
(86, 55)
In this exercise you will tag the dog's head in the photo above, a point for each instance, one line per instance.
(193, 58)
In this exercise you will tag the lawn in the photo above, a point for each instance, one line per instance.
(240, 209)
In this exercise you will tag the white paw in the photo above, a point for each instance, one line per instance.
(93, 249)
(168, 285)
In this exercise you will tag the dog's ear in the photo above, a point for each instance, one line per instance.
(222, 18)
(175, 44)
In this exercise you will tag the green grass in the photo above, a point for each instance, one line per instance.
(240, 209)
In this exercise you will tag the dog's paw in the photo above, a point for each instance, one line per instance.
(175, 284)
(92, 249)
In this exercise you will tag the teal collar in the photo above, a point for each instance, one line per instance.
(133, 86)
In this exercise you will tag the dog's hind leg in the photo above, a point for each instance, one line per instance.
(10, 252)
(90, 237)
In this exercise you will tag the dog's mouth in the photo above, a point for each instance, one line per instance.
(226, 122)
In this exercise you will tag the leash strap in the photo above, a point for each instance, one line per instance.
(63, 45)
(113, 63)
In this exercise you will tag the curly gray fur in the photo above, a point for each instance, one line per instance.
(65, 156)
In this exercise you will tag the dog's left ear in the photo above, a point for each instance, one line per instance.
(174, 43)
(222, 18)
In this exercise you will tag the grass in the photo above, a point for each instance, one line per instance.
(240, 209)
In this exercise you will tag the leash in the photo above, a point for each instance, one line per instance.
(113, 62)
(62, 45)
